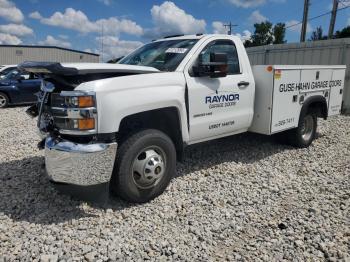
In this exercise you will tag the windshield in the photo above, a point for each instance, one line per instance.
(11, 75)
(4, 72)
(163, 55)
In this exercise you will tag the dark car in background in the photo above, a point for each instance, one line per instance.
(5, 69)
(17, 87)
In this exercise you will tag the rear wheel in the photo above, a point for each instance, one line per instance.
(305, 133)
(145, 164)
(4, 100)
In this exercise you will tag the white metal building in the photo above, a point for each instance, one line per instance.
(15, 54)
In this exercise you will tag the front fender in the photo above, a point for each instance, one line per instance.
(12, 92)
(120, 97)
(113, 108)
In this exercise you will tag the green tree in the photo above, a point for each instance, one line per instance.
(279, 33)
(344, 33)
(317, 35)
(263, 34)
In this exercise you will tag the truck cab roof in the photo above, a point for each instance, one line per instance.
(198, 36)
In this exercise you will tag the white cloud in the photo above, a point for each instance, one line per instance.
(88, 50)
(114, 26)
(15, 29)
(295, 26)
(35, 15)
(247, 3)
(50, 40)
(113, 47)
(65, 37)
(219, 27)
(170, 19)
(7, 39)
(10, 12)
(247, 35)
(71, 19)
(78, 21)
(106, 2)
(253, 3)
(257, 17)
(342, 4)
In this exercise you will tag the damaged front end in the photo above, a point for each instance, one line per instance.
(67, 122)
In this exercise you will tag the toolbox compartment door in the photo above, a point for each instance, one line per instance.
(336, 92)
(315, 80)
(285, 109)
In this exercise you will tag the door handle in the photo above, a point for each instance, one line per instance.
(243, 84)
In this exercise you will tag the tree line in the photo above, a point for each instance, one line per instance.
(266, 33)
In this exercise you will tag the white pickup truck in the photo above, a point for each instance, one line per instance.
(125, 125)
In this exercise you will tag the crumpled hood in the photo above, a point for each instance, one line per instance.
(68, 76)
(82, 68)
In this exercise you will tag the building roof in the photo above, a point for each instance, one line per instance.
(50, 47)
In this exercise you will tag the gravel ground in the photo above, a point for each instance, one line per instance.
(238, 198)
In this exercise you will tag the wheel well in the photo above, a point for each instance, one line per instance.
(6, 95)
(317, 105)
(166, 120)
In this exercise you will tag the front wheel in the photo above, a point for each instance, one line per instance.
(145, 164)
(4, 100)
(305, 133)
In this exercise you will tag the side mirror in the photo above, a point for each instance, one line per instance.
(217, 67)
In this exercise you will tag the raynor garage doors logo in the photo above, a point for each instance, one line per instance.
(221, 100)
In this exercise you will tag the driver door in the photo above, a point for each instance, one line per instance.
(27, 86)
(219, 106)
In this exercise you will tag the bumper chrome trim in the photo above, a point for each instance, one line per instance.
(79, 164)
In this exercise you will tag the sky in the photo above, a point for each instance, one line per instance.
(123, 25)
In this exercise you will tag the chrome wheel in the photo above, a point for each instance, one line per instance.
(3, 100)
(307, 127)
(149, 167)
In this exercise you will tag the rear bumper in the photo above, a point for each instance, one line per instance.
(79, 164)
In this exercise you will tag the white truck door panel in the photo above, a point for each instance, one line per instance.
(286, 107)
(336, 92)
(219, 106)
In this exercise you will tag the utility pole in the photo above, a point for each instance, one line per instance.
(333, 18)
(230, 26)
(304, 26)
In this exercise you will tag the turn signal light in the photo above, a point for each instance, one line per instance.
(86, 101)
(86, 124)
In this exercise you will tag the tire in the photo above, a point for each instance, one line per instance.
(145, 164)
(4, 100)
(305, 133)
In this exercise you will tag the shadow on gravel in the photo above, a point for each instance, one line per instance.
(27, 195)
(244, 148)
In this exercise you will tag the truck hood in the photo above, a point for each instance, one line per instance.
(82, 68)
(67, 76)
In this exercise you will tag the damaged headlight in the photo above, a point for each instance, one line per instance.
(74, 112)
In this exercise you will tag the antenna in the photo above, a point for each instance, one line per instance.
(229, 26)
(102, 36)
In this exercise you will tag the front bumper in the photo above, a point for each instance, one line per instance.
(79, 164)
